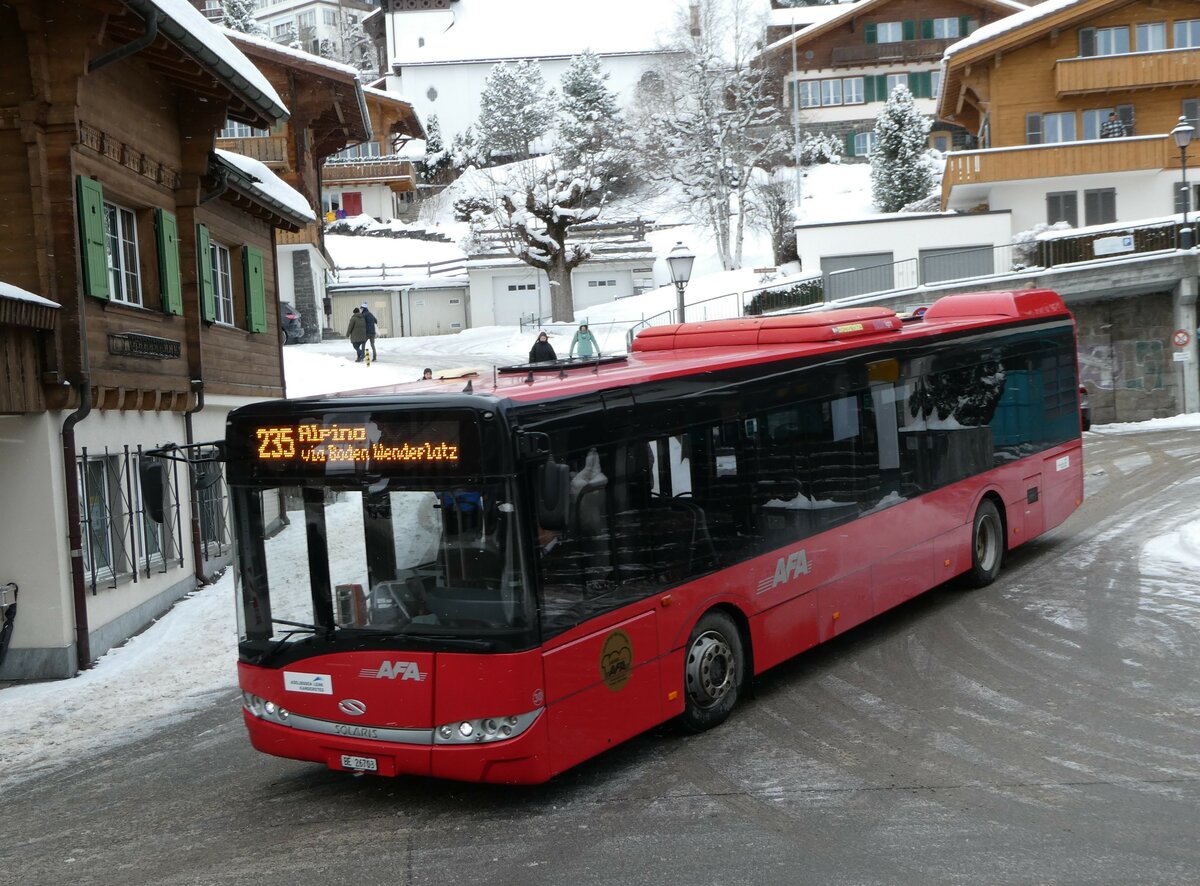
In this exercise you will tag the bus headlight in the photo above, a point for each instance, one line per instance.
(484, 729)
(252, 703)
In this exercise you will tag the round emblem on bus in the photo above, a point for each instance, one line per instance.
(616, 660)
(352, 706)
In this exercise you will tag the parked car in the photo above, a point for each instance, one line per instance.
(289, 321)
(1085, 409)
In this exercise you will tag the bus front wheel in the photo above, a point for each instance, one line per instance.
(987, 546)
(714, 671)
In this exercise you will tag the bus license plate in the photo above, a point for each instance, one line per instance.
(363, 764)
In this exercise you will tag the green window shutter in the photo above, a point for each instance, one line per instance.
(93, 258)
(964, 25)
(881, 90)
(256, 290)
(204, 275)
(926, 29)
(169, 278)
(920, 82)
(869, 32)
(849, 144)
(868, 89)
(909, 31)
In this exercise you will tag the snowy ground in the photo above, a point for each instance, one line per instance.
(186, 661)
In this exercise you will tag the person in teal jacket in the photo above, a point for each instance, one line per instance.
(585, 341)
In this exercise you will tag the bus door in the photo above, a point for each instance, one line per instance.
(602, 678)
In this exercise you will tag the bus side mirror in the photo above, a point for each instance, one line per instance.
(151, 476)
(553, 495)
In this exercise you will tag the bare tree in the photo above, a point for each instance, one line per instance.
(714, 120)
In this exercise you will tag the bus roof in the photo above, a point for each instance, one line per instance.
(661, 352)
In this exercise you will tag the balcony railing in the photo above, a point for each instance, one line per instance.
(269, 149)
(369, 169)
(1138, 70)
(1060, 159)
(309, 234)
(902, 51)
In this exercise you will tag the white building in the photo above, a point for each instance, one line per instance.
(312, 21)
(439, 52)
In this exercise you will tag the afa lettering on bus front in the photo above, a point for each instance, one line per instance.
(787, 569)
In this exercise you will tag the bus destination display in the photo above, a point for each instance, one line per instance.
(315, 444)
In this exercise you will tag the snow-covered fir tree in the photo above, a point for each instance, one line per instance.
(591, 134)
(516, 109)
(358, 49)
(714, 122)
(900, 170)
(239, 16)
(437, 162)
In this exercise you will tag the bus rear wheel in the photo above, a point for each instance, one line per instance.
(714, 671)
(987, 546)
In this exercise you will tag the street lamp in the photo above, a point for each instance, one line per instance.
(1182, 133)
(679, 260)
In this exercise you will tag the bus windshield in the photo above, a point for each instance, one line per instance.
(390, 560)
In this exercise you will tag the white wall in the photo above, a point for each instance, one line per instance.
(903, 237)
(491, 305)
(1142, 194)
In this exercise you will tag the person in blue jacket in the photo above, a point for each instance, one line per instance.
(371, 324)
(585, 341)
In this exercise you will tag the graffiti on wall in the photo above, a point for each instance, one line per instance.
(1139, 365)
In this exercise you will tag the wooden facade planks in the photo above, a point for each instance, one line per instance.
(20, 375)
(1124, 73)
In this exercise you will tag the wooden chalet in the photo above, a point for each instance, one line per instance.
(838, 65)
(137, 305)
(329, 113)
(1037, 89)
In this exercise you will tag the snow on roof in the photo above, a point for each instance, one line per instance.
(16, 293)
(392, 96)
(269, 185)
(475, 30)
(820, 16)
(193, 24)
(1009, 23)
(298, 54)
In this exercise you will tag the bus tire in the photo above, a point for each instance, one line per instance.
(714, 672)
(987, 546)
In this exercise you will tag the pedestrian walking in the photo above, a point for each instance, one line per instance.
(372, 324)
(585, 341)
(1112, 127)
(357, 333)
(542, 351)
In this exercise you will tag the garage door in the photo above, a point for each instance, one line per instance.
(436, 312)
(517, 298)
(956, 263)
(847, 275)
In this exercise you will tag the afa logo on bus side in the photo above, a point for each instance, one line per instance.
(616, 660)
(787, 568)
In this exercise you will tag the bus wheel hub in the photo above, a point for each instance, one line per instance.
(710, 669)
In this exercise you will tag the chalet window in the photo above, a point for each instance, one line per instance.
(1191, 111)
(330, 17)
(831, 92)
(944, 28)
(1062, 206)
(121, 250)
(852, 91)
(234, 129)
(357, 152)
(1099, 206)
(1049, 128)
(810, 94)
(222, 283)
(1151, 37)
(864, 143)
(96, 512)
(1103, 41)
(1187, 34)
(889, 32)
(307, 19)
(281, 29)
(894, 80)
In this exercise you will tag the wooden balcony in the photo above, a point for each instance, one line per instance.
(1053, 161)
(1120, 73)
(399, 175)
(902, 51)
(270, 150)
(310, 233)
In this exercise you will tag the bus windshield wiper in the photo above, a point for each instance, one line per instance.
(312, 629)
(456, 642)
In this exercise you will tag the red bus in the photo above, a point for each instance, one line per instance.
(503, 578)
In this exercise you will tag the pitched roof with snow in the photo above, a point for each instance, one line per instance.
(186, 27)
(486, 30)
(268, 189)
